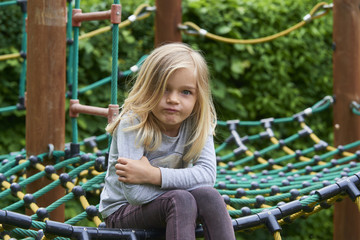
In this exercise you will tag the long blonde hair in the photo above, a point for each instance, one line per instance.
(149, 87)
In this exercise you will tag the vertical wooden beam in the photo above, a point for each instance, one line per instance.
(168, 17)
(46, 76)
(346, 63)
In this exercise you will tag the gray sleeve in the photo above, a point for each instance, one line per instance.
(202, 173)
(135, 194)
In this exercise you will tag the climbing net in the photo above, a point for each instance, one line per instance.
(264, 178)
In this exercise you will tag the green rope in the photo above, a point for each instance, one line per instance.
(69, 68)
(19, 232)
(109, 79)
(8, 3)
(115, 53)
(74, 89)
(23, 65)
(8, 109)
(95, 85)
(17, 169)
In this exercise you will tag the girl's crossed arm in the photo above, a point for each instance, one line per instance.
(137, 171)
(202, 173)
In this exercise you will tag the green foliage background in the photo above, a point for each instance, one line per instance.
(249, 82)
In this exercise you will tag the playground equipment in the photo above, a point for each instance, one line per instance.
(254, 185)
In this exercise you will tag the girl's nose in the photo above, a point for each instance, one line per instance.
(172, 98)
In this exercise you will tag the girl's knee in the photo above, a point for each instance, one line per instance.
(184, 198)
(182, 201)
(208, 193)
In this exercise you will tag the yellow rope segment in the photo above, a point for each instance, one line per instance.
(7, 237)
(97, 220)
(84, 202)
(277, 235)
(34, 207)
(6, 184)
(357, 201)
(259, 40)
(9, 56)
(228, 207)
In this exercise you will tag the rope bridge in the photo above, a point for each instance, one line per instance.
(262, 187)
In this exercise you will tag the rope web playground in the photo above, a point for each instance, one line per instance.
(265, 175)
(264, 187)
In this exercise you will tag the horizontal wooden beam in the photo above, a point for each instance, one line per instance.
(110, 113)
(114, 15)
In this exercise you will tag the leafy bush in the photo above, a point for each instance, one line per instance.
(249, 82)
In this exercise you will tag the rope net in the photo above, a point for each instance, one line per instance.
(265, 178)
(270, 172)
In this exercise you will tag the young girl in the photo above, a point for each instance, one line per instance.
(162, 164)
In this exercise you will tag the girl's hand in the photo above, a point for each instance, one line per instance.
(137, 171)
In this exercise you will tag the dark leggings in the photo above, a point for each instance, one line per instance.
(178, 211)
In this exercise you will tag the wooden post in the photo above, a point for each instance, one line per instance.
(46, 76)
(168, 17)
(346, 70)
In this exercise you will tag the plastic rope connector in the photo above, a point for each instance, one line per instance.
(49, 170)
(132, 18)
(90, 141)
(349, 187)
(100, 164)
(28, 199)
(232, 124)
(42, 213)
(321, 145)
(308, 111)
(74, 149)
(299, 117)
(2, 178)
(203, 32)
(240, 150)
(306, 131)
(267, 122)
(34, 160)
(21, 104)
(134, 68)
(15, 188)
(307, 18)
(269, 218)
(64, 179)
(115, 16)
(92, 211)
(78, 191)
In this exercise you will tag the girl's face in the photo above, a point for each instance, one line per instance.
(178, 101)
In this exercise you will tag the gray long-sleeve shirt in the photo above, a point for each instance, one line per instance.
(175, 174)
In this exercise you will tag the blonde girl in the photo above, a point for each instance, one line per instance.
(162, 164)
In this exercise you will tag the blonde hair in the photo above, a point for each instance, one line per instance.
(149, 87)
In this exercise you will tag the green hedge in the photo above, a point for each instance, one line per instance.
(249, 82)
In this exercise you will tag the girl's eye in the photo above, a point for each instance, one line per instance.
(186, 92)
